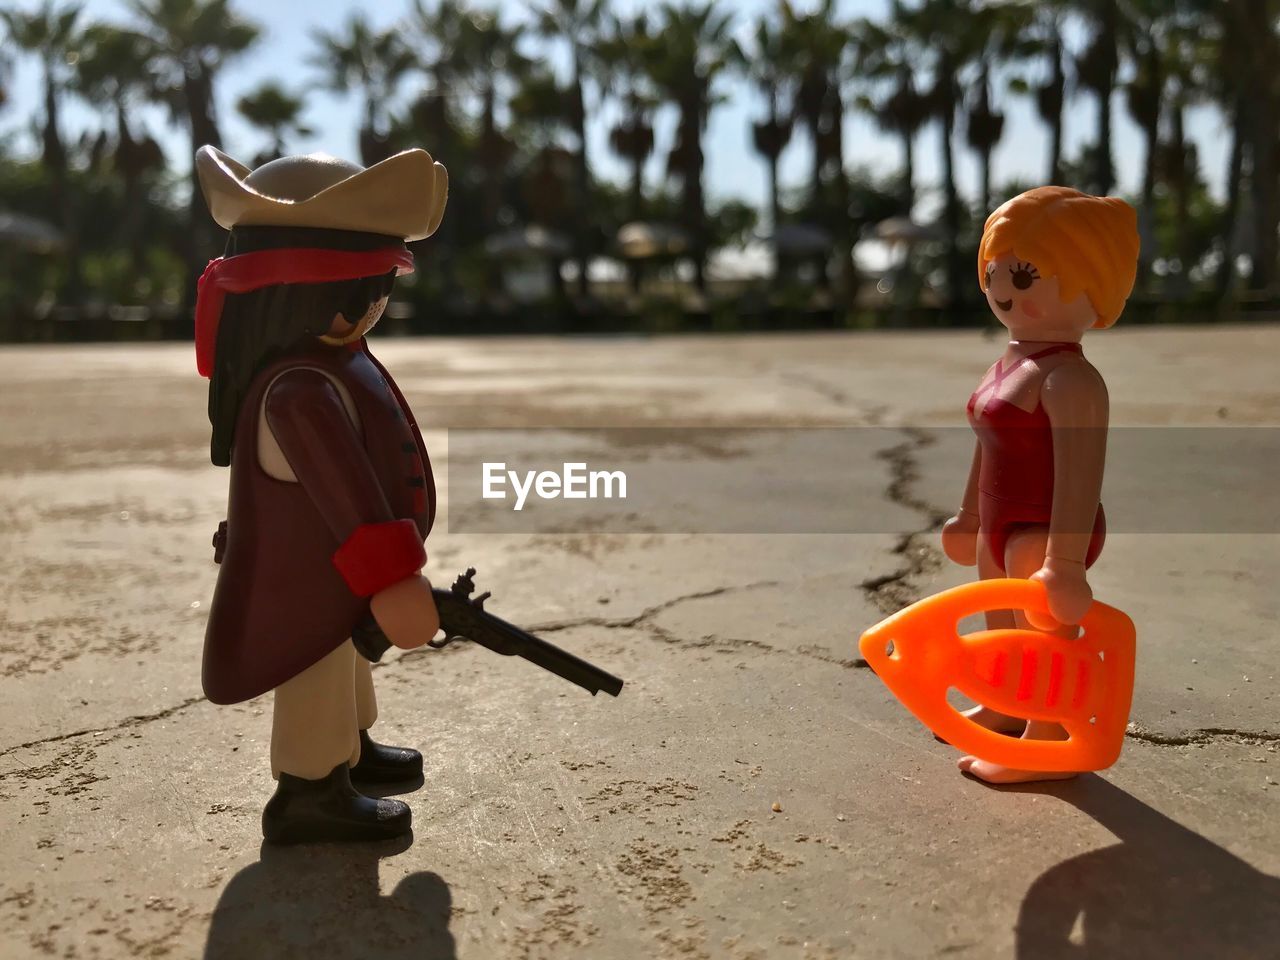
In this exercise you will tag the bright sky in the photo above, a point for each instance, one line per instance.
(733, 168)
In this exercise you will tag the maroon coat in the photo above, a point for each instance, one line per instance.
(280, 604)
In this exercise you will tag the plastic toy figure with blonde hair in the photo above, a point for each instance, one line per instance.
(1054, 263)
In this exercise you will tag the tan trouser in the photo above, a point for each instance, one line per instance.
(319, 715)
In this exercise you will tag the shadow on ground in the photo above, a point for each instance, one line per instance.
(324, 901)
(1163, 891)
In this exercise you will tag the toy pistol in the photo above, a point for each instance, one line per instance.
(464, 618)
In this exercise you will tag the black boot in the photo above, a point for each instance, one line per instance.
(381, 764)
(329, 809)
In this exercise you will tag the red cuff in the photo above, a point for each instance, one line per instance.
(377, 555)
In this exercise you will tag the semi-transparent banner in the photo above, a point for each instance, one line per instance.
(840, 480)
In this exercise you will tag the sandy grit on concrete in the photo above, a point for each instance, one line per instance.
(754, 793)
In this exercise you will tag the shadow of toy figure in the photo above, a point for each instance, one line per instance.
(1163, 891)
(324, 901)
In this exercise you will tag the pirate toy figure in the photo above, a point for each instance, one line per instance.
(331, 493)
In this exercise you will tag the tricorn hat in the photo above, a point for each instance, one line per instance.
(403, 196)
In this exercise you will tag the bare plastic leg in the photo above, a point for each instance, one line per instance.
(1024, 555)
(996, 620)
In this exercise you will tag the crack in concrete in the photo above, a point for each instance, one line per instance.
(134, 721)
(1201, 735)
(808, 652)
(633, 621)
(825, 390)
(648, 613)
(643, 621)
(892, 591)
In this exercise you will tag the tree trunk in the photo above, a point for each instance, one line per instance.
(817, 202)
(1226, 270)
(130, 233)
(908, 171)
(984, 172)
(1262, 181)
(491, 159)
(638, 148)
(951, 211)
(202, 237)
(1106, 170)
(775, 202)
(54, 159)
(1182, 202)
(369, 134)
(695, 202)
(1264, 145)
(844, 230)
(582, 237)
(1059, 82)
(1146, 207)
(775, 125)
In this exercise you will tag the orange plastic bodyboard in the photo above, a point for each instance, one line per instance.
(1085, 684)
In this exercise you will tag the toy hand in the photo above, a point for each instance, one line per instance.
(1069, 593)
(960, 539)
(406, 612)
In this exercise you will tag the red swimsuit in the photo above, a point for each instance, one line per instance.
(1015, 478)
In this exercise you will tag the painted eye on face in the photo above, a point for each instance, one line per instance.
(986, 280)
(1024, 275)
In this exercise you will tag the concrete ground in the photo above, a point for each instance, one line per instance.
(754, 792)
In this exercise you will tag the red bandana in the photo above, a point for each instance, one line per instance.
(266, 268)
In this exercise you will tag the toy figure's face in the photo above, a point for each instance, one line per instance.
(342, 332)
(1031, 306)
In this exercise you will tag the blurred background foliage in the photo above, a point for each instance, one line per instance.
(99, 238)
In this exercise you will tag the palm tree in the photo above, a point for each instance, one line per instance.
(1253, 26)
(814, 48)
(483, 58)
(50, 33)
(983, 128)
(434, 34)
(277, 113)
(576, 22)
(1229, 82)
(1096, 69)
(539, 123)
(113, 72)
(998, 31)
(1185, 60)
(696, 47)
(1034, 33)
(770, 136)
(191, 41)
(539, 116)
(882, 55)
(947, 35)
(357, 57)
(622, 51)
(1144, 95)
(6, 78)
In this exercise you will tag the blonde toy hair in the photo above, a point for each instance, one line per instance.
(1089, 243)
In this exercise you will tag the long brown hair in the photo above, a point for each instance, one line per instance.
(262, 325)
